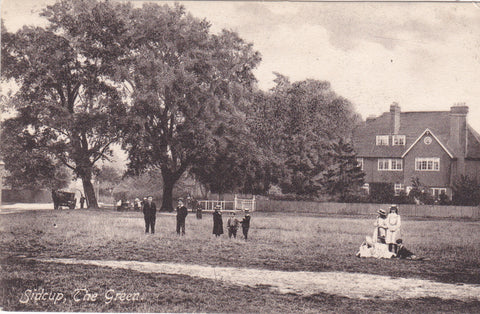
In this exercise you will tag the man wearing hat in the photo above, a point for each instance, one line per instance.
(380, 227)
(246, 224)
(394, 223)
(182, 213)
(217, 221)
(149, 212)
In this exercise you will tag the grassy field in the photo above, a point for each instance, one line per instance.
(277, 242)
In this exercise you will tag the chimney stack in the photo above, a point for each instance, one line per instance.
(395, 117)
(458, 134)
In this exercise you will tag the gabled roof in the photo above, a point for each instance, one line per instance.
(412, 125)
(427, 131)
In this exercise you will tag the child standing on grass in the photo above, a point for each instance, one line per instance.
(246, 224)
(232, 225)
(182, 213)
(394, 223)
(217, 222)
(380, 227)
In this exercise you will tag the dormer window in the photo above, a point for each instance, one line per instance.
(398, 140)
(382, 140)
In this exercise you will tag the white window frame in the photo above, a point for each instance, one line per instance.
(427, 164)
(439, 191)
(382, 140)
(398, 140)
(395, 164)
(398, 187)
(366, 187)
(360, 163)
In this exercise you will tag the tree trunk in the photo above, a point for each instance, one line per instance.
(89, 193)
(167, 197)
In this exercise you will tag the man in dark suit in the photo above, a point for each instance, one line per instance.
(182, 213)
(149, 212)
(246, 224)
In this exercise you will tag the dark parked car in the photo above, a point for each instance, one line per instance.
(62, 198)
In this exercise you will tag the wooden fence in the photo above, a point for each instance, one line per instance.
(408, 210)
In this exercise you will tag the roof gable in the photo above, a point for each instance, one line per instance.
(428, 132)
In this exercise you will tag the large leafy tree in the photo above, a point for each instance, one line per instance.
(299, 123)
(238, 164)
(67, 99)
(186, 84)
(26, 164)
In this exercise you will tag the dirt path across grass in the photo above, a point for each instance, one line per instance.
(351, 285)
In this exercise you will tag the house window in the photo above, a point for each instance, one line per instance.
(360, 163)
(398, 188)
(398, 140)
(437, 191)
(390, 164)
(382, 140)
(396, 164)
(366, 188)
(427, 164)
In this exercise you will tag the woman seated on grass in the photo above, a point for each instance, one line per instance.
(374, 249)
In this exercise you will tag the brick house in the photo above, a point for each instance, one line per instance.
(435, 146)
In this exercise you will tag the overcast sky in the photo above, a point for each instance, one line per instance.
(425, 56)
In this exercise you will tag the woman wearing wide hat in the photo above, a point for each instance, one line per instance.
(380, 231)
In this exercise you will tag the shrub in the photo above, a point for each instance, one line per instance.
(466, 191)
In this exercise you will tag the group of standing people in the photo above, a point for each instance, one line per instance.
(150, 210)
(232, 223)
(387, 228)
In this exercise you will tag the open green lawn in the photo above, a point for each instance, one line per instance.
(278, 242)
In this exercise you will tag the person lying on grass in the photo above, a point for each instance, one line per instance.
(404, 253)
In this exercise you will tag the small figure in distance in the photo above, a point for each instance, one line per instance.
(217, 221)
(149, 213)
(246, 224)
(232, 225)
(199, 211)
(182, 213)
(82, 201)
(137, 204)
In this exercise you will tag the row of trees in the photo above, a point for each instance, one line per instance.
(175, 96)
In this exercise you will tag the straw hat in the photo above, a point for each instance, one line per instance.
(382, 212)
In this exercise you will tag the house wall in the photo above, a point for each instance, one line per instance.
(472, 169)
(370, 167)
(439, 178)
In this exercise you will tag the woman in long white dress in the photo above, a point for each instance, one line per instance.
(394, 223)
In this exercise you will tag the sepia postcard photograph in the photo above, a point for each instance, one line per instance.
(240, 156)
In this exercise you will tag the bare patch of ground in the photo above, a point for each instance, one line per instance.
(351, 285)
